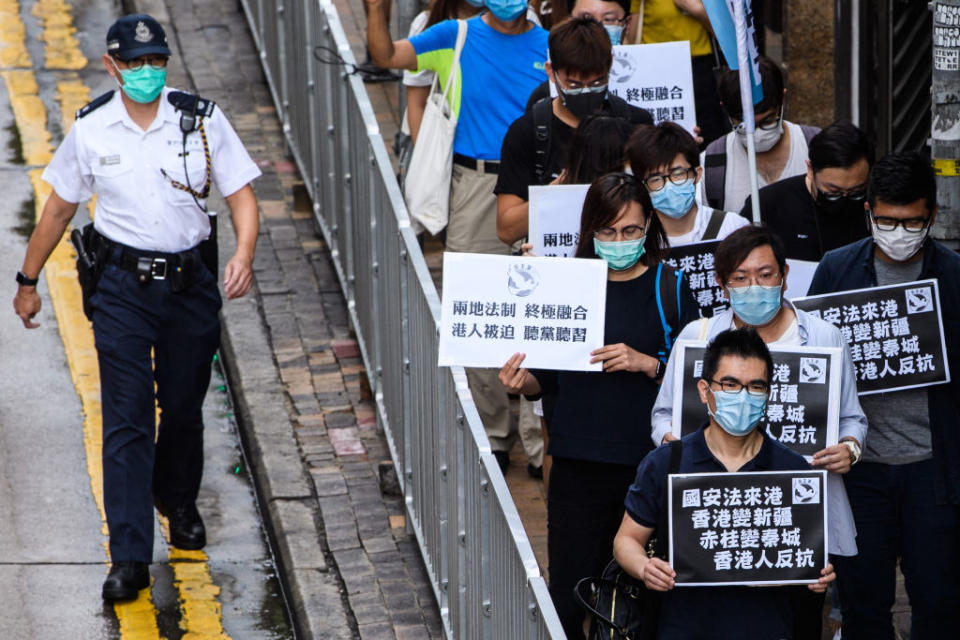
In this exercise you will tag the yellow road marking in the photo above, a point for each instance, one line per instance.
(13, 36)
(62, 48)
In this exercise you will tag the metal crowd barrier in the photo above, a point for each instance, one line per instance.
(482, 568)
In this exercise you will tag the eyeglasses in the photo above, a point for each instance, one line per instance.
(913, 225)
(575, 88)
(769, 123)
(157, 62)
(858, 194)
(677, 175)
(764, 279)
(732, 385)
(629, 232)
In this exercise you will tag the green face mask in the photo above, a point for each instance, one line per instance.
(144, 84)
(620, 255)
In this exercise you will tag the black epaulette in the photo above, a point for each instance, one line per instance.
(94, 104)
(183, 101)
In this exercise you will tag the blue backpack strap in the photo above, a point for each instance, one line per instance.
(669, 313)
(663, 316)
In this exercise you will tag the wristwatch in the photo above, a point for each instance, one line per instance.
(661, 369)
(25, 280)
(854, 450)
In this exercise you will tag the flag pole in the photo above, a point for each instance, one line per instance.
(746, 99)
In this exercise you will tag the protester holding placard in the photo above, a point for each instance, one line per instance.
(823, 209)
(535, 147)
(672, 20)
(736, 376)
(597, 432)
(781, 145)
(751, 267)
(667, 159)
(906, 492)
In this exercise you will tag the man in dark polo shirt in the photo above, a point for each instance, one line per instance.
(734, 386)
(823, 209)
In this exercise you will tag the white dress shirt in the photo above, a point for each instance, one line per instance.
(107, 154)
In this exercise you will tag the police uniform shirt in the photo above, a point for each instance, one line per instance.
(107, 154)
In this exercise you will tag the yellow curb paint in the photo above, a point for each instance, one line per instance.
(30, 115)
(62, 48)
(13, 36)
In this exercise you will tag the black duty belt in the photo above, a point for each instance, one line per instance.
(483, 166)
(178, 268)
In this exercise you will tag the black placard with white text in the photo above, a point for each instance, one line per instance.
(696, 260)
(755, 528)
(803, 408)
(895, 333)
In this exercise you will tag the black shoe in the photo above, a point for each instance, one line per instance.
(503, 460)
(125, 580)
(186, 528)
(535, 472)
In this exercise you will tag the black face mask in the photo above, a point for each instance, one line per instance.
(584, 103)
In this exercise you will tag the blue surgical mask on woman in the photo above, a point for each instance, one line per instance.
(738, 413)
(620, 255)
(614, 31)
(674, 200)
(506, 10)
(756, 305)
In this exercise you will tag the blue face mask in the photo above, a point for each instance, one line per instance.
(738, 413)
(506, 10)
(674, 200)
(620, 255)
(614, 31)
(143, 85)
(755, 305)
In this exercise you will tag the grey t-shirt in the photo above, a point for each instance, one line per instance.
(899, 422)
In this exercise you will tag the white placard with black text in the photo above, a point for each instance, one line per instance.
(554, 218)
(551, 309)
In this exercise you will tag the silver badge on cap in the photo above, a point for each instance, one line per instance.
(142, 33)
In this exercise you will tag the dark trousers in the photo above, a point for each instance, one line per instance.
(584, 510)
(896, 514)
(147, 335)
(711, 118)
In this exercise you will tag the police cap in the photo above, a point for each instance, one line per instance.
(136, 35)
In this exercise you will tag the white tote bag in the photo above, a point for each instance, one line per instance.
(427, 187)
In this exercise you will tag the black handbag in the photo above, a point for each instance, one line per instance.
(620, 606)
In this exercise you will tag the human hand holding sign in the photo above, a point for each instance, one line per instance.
(835, 458)
(658, 575)
(827, 575)
(620, 357)
(517, 380)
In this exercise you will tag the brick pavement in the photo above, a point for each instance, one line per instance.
(350, 567)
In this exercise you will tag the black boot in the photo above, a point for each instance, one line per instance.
(125, 580)
(186, 527)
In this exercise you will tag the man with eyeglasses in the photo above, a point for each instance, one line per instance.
(781, 145)
(535, 147)
(905, 494)
(751, 266)
(150, 154)
(734, 386)
(823, 209)
(667, 160)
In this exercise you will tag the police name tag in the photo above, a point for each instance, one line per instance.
(106, 161)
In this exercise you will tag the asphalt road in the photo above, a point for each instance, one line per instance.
(53, 555)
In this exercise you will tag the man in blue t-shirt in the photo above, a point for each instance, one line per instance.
(734, 385)
(502, 62)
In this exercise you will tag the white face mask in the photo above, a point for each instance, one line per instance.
(764, 139)
(899, 244)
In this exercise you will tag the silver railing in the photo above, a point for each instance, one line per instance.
(482, 568)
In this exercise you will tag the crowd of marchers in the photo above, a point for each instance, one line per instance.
(533, 108)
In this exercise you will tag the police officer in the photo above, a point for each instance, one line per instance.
(150, 154)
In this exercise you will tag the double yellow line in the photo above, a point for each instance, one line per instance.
(201, 613)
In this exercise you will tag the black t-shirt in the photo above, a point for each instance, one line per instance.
(542, 91)
(605, 417)
(518, 160)
(807, 232)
